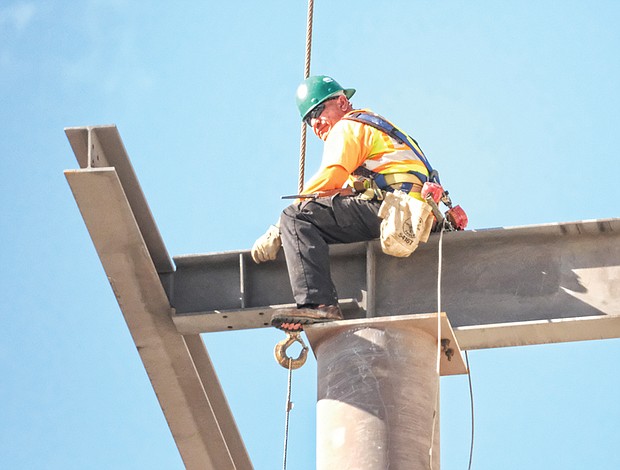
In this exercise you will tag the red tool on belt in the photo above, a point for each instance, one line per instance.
(455, 216)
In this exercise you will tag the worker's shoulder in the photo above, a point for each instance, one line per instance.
(356, 126)
(354, 113)
(352, 122)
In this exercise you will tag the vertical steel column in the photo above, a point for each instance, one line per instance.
(376, 398)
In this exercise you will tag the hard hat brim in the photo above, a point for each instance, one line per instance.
(348, 92)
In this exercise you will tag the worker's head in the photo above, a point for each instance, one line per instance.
(322, 102)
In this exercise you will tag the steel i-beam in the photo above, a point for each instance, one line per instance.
(134, 257)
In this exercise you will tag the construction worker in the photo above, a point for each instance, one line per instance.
(354, 151)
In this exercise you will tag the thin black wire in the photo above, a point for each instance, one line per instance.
(437, 365)
(471, 400)
(471, 390)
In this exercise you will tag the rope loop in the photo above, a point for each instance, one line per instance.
(280, 351)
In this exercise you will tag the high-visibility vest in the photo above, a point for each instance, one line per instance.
(391, 168)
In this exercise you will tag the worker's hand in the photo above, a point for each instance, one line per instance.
(266, 247)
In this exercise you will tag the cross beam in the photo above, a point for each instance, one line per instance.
(134, 257)
(501, 287)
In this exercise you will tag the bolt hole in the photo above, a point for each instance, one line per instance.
(230, 327)
(261, 313)
(224, 316)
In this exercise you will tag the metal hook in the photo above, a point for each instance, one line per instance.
(280, 351)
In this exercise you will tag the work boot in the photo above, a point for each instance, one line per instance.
(294, 319)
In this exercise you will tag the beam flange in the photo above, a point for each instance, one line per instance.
(539, 332)
(102, 147)
(178, 366)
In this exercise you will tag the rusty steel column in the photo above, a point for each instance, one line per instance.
(377, 393)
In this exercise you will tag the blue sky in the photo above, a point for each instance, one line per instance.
(515, 102)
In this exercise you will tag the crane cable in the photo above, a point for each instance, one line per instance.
(289, 407)
(302, 143)
(300, 185)
(302, 164)
(286, 361)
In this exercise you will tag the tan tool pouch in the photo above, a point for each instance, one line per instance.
(406, 222)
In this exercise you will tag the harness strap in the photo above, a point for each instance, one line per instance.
(407, 181)
(383, 125)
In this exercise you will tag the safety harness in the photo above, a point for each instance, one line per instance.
(385, 182)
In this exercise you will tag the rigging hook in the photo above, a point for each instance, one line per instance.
(279, 351)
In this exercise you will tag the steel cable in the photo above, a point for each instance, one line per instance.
(289, 406)
(302, 164)
(302, 143)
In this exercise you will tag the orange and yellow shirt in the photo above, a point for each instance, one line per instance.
(351, 144)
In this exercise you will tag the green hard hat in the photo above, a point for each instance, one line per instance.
(316, 89)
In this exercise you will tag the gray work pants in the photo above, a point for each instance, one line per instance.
(307, 228)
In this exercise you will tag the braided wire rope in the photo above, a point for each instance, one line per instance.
(302, 165)
(289, 407)
(302, 143)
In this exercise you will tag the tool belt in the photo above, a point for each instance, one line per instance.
(367, 187)
(370, 185)
(405, 182)
(406, 223)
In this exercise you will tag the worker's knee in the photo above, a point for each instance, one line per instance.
(289, 214)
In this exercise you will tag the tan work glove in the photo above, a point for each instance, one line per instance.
(266, 247)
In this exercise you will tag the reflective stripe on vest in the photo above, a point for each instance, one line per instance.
(386, 127)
